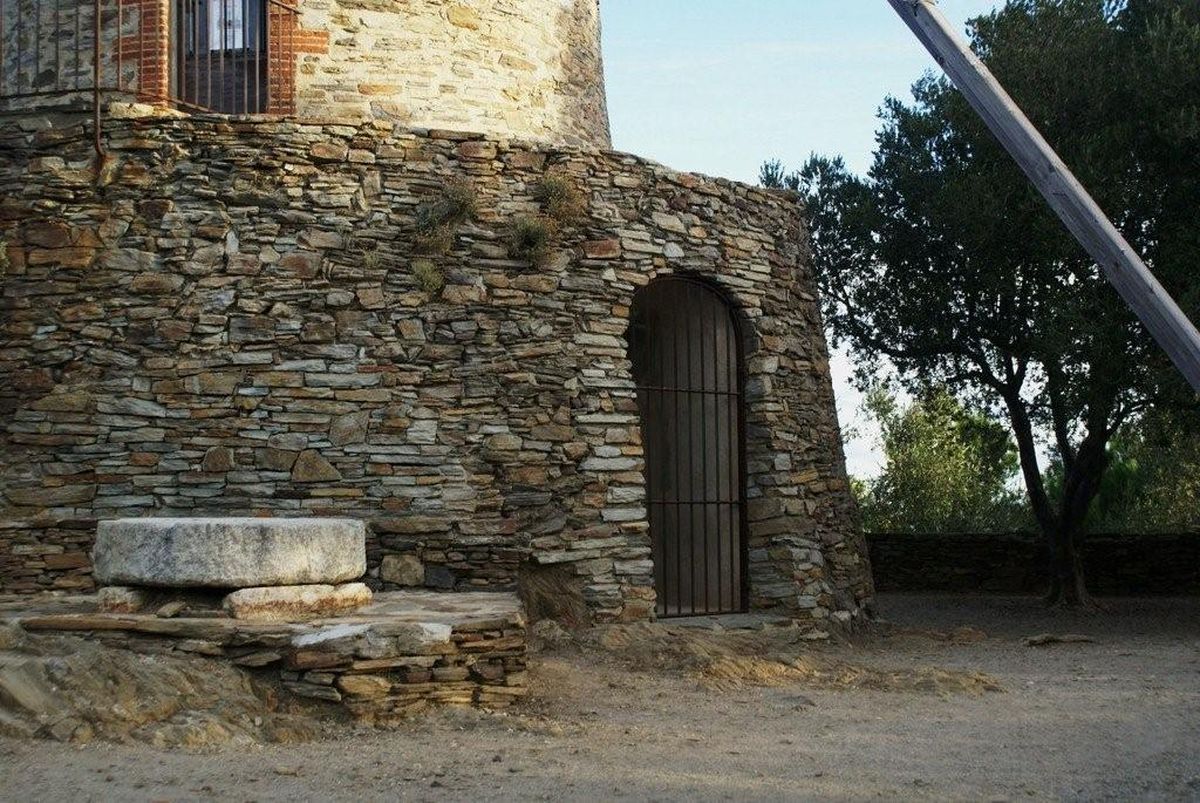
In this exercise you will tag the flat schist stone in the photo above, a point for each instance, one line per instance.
(294, 603)
(229, 553)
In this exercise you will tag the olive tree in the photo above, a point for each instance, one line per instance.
(945, 262)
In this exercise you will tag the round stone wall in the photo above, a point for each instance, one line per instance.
(527, 69)
(250, 319)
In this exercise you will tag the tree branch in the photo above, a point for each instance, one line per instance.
(1055, 382)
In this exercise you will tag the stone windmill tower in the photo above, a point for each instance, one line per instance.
(529, 69)
(374, 259)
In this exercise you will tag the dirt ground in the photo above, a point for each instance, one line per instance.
(947, 703)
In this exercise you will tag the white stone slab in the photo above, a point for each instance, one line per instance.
(229, 553)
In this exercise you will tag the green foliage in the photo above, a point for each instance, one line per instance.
(1165, 452)
(1153, 481)
(438, 220)
(429, 276)
(945, 263)
(948, 469)
(532, 238)
(561, 199)
(774, 175)
(4, 263)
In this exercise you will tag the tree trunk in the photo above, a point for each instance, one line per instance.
(1082, 473)
(1066, 572)
(1067, 585)
(1080, 486)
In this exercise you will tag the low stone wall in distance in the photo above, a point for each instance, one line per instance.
(1017, 563)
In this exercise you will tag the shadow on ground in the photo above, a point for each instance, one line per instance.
(905, 712)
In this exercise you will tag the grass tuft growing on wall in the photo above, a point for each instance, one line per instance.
(560, 198)
(429, 276)
(531, 238)
(438, 240)
(438, 220)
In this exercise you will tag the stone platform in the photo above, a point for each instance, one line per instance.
(401, 653)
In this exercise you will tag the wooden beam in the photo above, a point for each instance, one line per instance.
(1175, 333)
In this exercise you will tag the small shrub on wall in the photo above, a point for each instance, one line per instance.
(561, 199)
(429, 276)
(531, 239)
(438, 240)
(439, 219)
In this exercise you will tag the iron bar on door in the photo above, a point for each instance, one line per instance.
(686, 349)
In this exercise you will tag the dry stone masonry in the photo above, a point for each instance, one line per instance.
(406, 651)
(363, 311)
(231, 317)
(1018, 563)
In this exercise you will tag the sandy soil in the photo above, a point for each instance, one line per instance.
(1115, 719)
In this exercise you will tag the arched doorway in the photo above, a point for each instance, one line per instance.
(686, 350)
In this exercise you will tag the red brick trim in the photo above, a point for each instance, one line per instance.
(287, 40)
(309, 41)
(149, 49)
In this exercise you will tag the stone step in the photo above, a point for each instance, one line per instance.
(229, 553)
(296, 603)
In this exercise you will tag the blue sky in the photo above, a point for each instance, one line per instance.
(719, 86)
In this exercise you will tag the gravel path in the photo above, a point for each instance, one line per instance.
(1115, 719)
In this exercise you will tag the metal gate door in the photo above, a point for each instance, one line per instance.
(686, 353)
